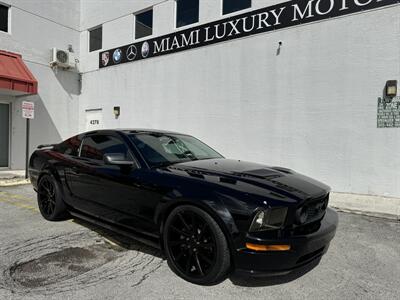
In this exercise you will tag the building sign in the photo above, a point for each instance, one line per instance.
(28, 110)
(94, 119)
(388, 112)
(275, 17)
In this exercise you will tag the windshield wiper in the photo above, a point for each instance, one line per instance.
(168, 163)
(164, 164)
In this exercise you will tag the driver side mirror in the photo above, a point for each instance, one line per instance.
(117, 159)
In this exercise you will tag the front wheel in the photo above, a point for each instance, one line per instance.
(50, 202)
(195, 245)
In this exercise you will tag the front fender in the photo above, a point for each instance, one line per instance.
(214, 207)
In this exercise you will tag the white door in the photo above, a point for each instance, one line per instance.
(94, 119)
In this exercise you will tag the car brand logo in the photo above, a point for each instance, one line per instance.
(145, 49)
(131, 52)
(105, 58)
(117, 55)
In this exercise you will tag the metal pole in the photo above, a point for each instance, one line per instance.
(27, 149)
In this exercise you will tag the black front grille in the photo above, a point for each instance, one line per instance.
(307, 228)
(311, 211)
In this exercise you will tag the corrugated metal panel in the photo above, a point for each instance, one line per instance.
(15, 75)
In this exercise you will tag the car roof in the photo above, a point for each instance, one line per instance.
(133, 131)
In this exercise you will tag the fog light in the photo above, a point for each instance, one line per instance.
(257, 247)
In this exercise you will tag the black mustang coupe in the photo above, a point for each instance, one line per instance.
(210, 215)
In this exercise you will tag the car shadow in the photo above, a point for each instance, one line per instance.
(237, 278)
(121, 241)
(240, 279)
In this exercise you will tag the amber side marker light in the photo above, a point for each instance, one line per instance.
(257, 247)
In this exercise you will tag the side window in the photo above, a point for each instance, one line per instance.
(94, 147)
(70, 146)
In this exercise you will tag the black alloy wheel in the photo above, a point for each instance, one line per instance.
(196, 246)
(49, 199)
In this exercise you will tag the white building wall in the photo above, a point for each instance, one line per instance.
(312, 108)
(36, 27)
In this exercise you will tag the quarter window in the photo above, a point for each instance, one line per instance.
(95, 39)
(4, 18)
(230, 6)
(70, 146)
(94, 147)
(144, 24)
(187, 12)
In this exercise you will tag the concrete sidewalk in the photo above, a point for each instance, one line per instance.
(377, 206)
(12, 177)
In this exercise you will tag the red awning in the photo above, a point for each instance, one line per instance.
(15, 77)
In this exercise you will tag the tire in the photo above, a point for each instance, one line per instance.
(195, 246)
(50, 200)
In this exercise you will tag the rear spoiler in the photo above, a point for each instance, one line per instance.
(46, 146)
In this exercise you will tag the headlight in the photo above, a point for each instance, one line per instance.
(270, 219)
(301, 215)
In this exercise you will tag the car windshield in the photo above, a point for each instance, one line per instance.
(160, 149)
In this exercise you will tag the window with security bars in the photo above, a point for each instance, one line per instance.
(230, 6)
(144, 24)
(187, 12)
(95, 39)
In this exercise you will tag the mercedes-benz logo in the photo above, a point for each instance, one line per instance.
(131, 52)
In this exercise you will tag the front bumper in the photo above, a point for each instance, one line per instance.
(304, 250)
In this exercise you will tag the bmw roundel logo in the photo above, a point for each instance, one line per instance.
(145, 49)
(117, 55)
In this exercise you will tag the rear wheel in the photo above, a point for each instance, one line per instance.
(50, 202)
(195, 246)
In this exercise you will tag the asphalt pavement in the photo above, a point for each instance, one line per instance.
(75, 260)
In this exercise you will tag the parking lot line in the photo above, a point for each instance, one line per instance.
(19, 204)
(16, 196)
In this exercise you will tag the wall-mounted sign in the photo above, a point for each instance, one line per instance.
(28, 110)
(94, 119)
(388, 112)
(275, 17)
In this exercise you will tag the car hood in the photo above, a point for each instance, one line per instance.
(253, 177)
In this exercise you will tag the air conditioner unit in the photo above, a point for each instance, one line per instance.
(62, 59)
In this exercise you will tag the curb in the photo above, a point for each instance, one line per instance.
(367, 213)
(14, 182)
(374, 206)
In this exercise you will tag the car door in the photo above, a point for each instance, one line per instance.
(109, 192)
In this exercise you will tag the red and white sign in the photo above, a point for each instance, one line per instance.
(28, 110)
